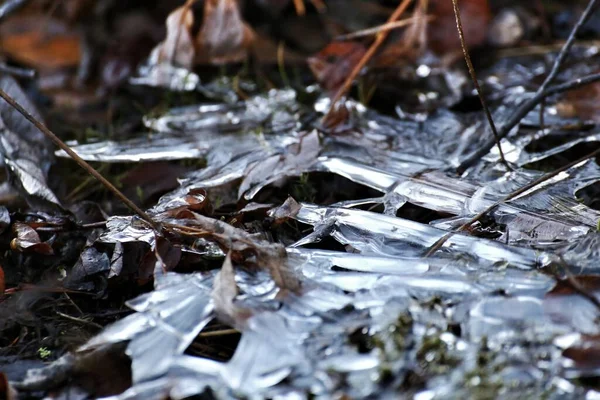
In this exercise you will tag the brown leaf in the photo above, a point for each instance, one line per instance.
(224, 293)
(585, 354)
(28, 240)
(287, 210)
(6, 390)
(163, 257)
(178, 47)
(442, 36)
(244, 248)
(40, 42)
(335, 62)
(574, 301)
(581, 103)
(224, 36)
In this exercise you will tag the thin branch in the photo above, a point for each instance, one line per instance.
(223, 332)
(79, 320)
(83, 164)
(573, 84)
(523, 110)
(388, 26)
(467, 57)
(530, 104)
(437, 245)
(379, 39)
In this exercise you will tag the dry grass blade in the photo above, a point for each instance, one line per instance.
(384, 27)
(437, 245)
(379, 39)
(467, 57)
(56, 140)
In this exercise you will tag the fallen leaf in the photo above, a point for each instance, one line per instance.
(244, 248)
(442, 35)
(224, 36)
(224, 293)
(581, 103)
(335, 62)
(287, 210)
(40, 41)
(585, 353)
(25, 150)
(28, 240)
(178, 47)
(161, 258)
(6, 390)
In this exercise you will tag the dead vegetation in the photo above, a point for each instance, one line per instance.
(330, 198)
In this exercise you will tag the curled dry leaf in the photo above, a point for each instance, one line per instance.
(28, 240)
(178, 47)
(224, 36)
(161, 258)
(223, 294)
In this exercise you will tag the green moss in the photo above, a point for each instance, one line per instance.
(434, 355)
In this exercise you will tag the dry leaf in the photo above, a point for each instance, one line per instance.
(335, 62)
(6, 390)
(178, 47)
(244, 248)
(161, 258)
(40, 42)
(581, 103)
(442, 36)
(28, 240)
(224, 293)
(224, 36)
(284, 212)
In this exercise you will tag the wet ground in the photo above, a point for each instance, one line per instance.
(287, 257)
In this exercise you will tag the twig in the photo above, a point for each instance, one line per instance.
(437, 245)
(570, 85)
(222, 332)
(523, 110)
(384, 27)
(83, 164)
(467, 56)
(379, 39)
(528, 105)
(79, 320)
